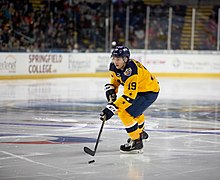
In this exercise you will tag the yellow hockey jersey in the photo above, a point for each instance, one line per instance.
(135, 78)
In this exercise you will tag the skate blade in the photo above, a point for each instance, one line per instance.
(138, 151)
(146, 140)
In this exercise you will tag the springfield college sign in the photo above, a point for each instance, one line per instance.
(37, 65)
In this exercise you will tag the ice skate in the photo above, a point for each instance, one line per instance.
(133, 147)
(145, 137)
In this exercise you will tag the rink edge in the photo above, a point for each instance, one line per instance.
(106, 74)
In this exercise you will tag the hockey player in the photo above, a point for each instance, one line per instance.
(141, 89)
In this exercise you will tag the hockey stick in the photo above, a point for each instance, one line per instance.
(92, 152)
(88, 150)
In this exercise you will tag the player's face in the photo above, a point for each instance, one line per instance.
(118, 62)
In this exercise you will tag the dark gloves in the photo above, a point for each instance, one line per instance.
(110, 93)
(108, 112)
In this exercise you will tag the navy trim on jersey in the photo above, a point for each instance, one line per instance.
(133, 67)
(130, 64)
(112, 67)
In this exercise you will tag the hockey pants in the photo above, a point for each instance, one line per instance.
(133, 117)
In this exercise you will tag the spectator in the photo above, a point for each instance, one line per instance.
(61, 25)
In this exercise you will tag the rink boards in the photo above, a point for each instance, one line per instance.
(52, 65)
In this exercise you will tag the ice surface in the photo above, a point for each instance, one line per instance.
(45, 124)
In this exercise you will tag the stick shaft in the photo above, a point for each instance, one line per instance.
(100, 132)
(88, 150)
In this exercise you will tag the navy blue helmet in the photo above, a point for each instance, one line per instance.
(121, 51)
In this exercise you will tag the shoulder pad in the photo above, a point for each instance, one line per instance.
(112, 67)
(131, 68)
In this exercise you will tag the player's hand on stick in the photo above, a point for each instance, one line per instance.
(110, 93)
(108, 112)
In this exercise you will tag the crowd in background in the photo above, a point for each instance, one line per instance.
(57, 25)
(80, 26)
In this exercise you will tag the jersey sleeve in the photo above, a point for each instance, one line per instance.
(130, 93)
(130, 89)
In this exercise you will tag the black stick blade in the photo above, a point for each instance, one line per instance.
(89, 151)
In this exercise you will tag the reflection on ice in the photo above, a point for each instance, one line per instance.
(46, 123)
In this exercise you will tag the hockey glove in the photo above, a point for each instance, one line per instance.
(108, 112)
(110, 93)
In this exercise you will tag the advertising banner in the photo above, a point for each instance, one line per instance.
(69, 64)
